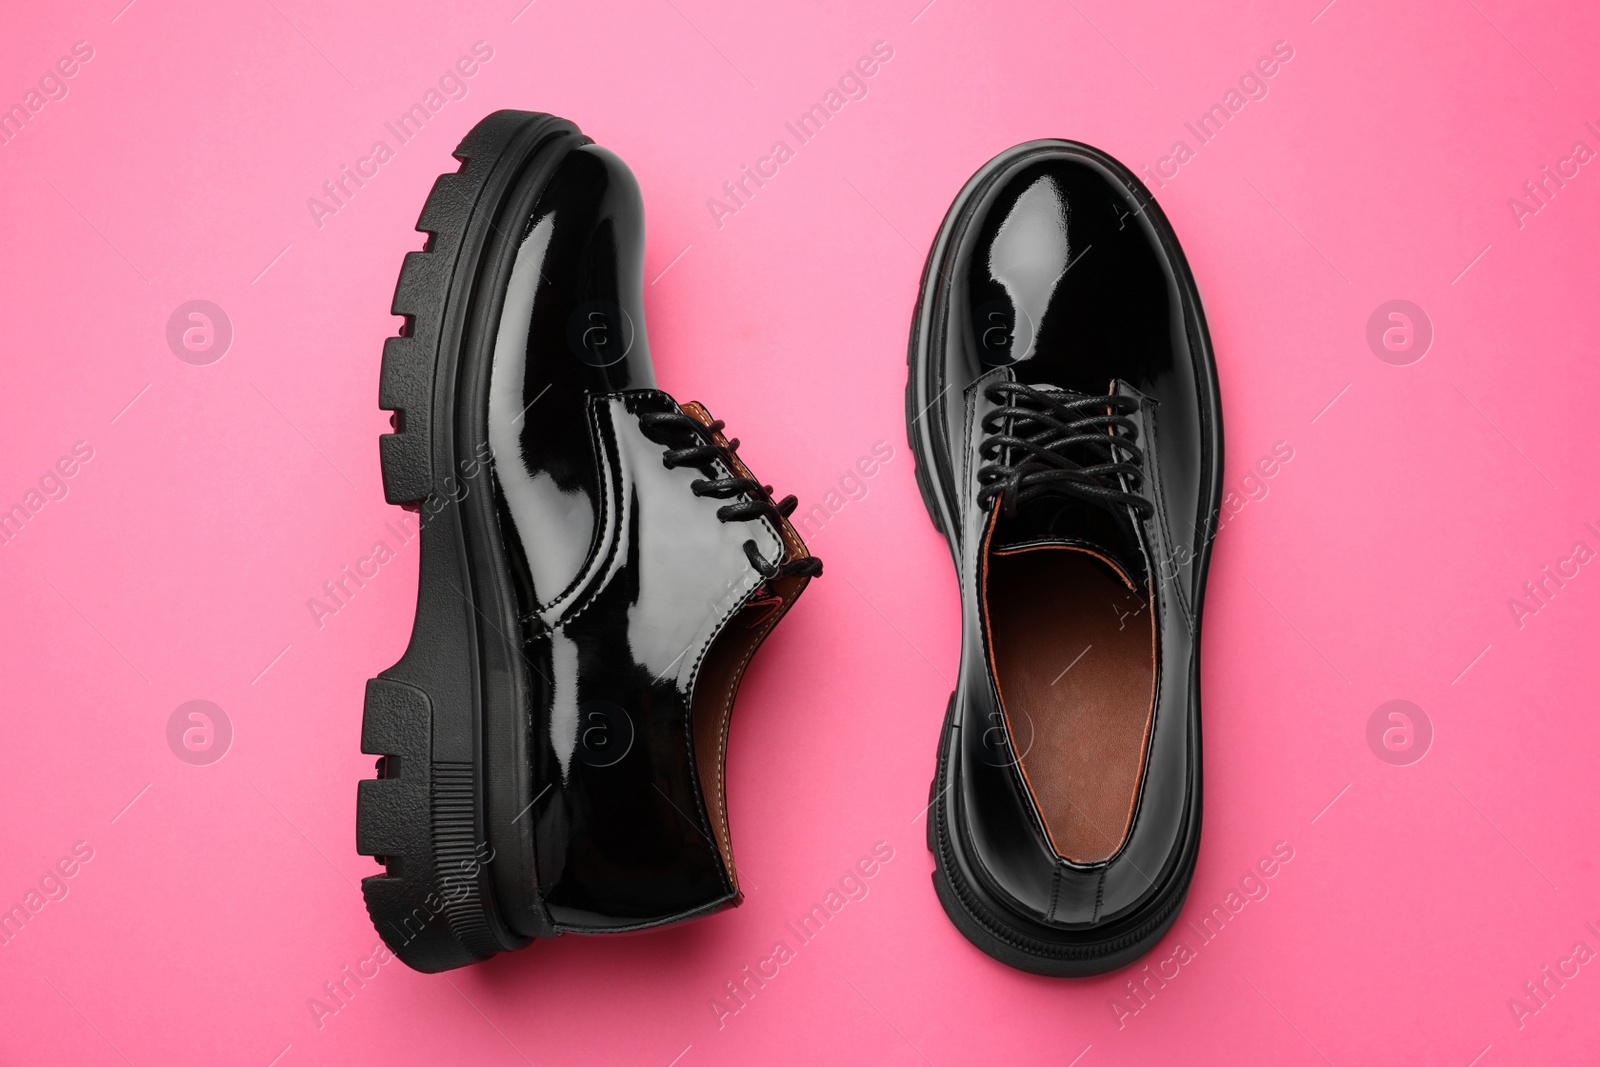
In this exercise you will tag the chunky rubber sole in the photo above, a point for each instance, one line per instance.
(446, 814)
(988, 923)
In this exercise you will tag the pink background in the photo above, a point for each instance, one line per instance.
(1378, 565)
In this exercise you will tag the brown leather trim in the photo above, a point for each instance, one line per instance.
(717, 682)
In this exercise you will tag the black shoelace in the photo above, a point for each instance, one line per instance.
(1042, 441)
(759, 504)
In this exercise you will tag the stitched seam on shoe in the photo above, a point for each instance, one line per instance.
(789, 545)
(1161, 512)
(749, 586)
(966, 446)
(688, 723)
(722, 739)
(601, 428)
(788, 538)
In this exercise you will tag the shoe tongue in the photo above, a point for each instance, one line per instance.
(1060, 521)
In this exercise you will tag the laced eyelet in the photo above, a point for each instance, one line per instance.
(1029, 438)
(753, 552)
(699, 448)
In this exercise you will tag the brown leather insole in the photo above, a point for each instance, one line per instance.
(1073, 649)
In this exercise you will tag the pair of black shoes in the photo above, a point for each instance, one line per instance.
(598, 567)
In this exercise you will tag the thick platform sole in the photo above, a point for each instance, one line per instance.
(988, 923)
(442, 815)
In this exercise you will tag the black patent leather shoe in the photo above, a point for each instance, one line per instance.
(597, 568)
(1063, 410)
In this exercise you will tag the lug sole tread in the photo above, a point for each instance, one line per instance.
(421, 816)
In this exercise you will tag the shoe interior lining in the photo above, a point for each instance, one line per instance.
(1072, 646)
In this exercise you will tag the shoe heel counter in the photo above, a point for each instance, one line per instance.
(625, 842)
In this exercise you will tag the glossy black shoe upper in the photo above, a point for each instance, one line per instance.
(1064, 412)
(648, 565)
(596, 569)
